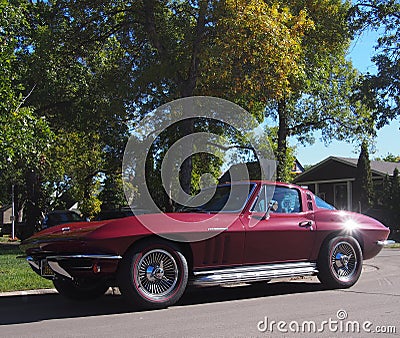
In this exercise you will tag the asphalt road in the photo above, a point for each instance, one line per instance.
(295, 308)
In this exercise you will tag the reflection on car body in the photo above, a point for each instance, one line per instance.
(256, 231)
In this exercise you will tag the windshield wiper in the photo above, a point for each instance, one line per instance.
(194, 209)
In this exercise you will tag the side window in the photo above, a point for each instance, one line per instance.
(322, 204)
(284, 200)
(287, 199)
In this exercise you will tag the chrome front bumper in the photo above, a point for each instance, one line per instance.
(53, 262)
(385, 243)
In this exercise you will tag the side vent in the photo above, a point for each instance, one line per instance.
(309, 203)
(216, 250)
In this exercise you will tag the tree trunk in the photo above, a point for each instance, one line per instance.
(187, 89)
(185, 173)
(188, 80)
(282, 140)
(32, 208)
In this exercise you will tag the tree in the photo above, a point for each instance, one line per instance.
(320, 98)
(164, 50)
(97, 67)
(363, 186)
(77, 161)
(381, 91)
(112, 195)
(389, 198)
(389, 158)
(287, 60)
(395, 188)
(259, 49)
(25, 137)
(75, 91)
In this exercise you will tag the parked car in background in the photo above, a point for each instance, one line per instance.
(271, 230)
(120, 213)
(113, 214)
(57, 217)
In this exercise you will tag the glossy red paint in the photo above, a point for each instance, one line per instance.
(249, 240)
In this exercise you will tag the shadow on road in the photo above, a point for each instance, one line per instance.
(35, 308)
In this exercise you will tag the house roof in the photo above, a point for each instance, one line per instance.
(380, 168)
(5, 207)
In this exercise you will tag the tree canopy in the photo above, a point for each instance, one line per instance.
(77, 77)
(381, 90)
(363, 186)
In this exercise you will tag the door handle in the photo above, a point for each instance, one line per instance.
(306, 224)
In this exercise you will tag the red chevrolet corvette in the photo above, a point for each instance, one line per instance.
(273, 230)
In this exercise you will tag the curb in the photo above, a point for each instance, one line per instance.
(111, 291)
(28, 292)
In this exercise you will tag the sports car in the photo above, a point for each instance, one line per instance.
(231, 233)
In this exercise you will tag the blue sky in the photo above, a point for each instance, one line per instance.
(360, 53)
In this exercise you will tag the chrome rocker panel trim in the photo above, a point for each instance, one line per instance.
(254, 273)
(59, 257)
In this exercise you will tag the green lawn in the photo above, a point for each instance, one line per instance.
(15, 273)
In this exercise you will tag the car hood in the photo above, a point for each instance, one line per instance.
(138, 225)
(167, 223)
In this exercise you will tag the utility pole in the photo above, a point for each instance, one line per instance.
(12, 213)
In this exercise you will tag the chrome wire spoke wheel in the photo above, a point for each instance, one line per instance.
(343, 261)
(157, 274)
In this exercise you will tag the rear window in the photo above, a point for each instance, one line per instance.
(321, 204)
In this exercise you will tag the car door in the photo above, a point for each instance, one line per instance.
(285, 233)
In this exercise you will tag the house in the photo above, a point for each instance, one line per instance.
(5, 214)
(333, 179)
(297, 168)
(5, 219)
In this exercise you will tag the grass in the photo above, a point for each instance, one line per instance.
(393, 246)
(4, 239)
(15, 273)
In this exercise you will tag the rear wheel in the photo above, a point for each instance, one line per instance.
(80, 289)
(153, 275)
(340, 262)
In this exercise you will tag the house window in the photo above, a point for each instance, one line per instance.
(341, 196)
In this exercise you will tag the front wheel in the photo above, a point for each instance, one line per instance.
(340, 262)
(80, 289)
(153, 275)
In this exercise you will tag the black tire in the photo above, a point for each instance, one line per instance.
(80, 290)
(340, 262)
(153, 275)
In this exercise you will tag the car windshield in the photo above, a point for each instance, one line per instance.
(224, 198)
(321, 204)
